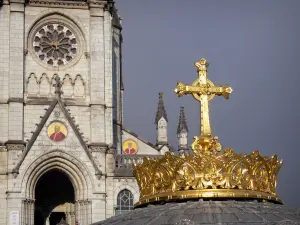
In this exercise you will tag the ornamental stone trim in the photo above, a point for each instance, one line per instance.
(60, 4)
(18, 100)
(15, 147)
(98, 147)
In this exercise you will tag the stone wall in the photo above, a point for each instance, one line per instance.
(4, 52)
(92, 97)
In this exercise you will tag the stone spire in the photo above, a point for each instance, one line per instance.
(182, 126)
(161, 121)
(182, 132)
(161, 112)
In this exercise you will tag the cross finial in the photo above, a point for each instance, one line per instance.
(58, 86)
(203, 90)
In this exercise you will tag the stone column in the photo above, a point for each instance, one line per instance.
(77, 211)
(22, 215)
(25, 213)
(48, 220)
(89, 212)
(98, 124)
(86, 207)
(83, 212)
(16, 70)
(110, 161)
(4, 58)
(117, 113)
(31, 212)
(97, 52)
(68, 217)
(3, 181)
(72, 218)
(97, 74)
(109, 210)
(108, 75)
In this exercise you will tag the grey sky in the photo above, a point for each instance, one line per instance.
(252, 45)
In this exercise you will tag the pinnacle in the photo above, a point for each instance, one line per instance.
(182, 125)
(161, 111)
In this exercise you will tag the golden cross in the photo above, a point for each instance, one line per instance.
(203, 90)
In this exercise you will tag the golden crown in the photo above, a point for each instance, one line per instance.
(208, 172)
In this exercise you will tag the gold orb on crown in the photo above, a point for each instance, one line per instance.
(209, 172)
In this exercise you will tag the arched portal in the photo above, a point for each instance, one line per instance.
(73, 170)
(54, 199)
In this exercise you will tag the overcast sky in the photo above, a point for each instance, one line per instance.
(252, 45)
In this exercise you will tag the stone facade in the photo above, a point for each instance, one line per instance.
(82, 94)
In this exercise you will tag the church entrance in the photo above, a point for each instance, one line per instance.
(55, 198)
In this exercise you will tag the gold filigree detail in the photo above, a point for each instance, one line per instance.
(209, 172)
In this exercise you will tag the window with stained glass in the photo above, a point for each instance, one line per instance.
(124, 202)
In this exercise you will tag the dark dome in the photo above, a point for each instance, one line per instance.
(208, 213)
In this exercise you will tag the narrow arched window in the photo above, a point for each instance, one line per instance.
(124, 202)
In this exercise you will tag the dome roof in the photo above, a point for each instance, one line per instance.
(208, 213)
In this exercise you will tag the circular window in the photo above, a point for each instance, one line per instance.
(55, 44)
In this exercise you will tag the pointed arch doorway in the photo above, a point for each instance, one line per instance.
(54, 199)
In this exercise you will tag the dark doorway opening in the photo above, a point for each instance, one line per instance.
(56, 217)
(54, 188)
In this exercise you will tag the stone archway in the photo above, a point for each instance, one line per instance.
(77, 174)
(54, 199)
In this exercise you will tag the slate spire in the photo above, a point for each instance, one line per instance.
(182, 125)
(161, 111)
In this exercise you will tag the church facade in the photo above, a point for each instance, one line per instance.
(64, 151)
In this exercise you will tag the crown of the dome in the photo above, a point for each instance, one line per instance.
(208, 173)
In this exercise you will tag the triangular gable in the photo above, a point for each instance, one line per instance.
(156, 147)
(42, 124)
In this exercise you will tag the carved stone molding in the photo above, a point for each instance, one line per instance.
(60, 4)
(18, 100)
(39, 87)
(98, 147)
(16, 147)
(97, 3)
(28, 201)
(83, 202)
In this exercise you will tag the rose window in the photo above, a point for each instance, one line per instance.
(55, 45)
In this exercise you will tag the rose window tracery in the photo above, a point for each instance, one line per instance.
(55, 44)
